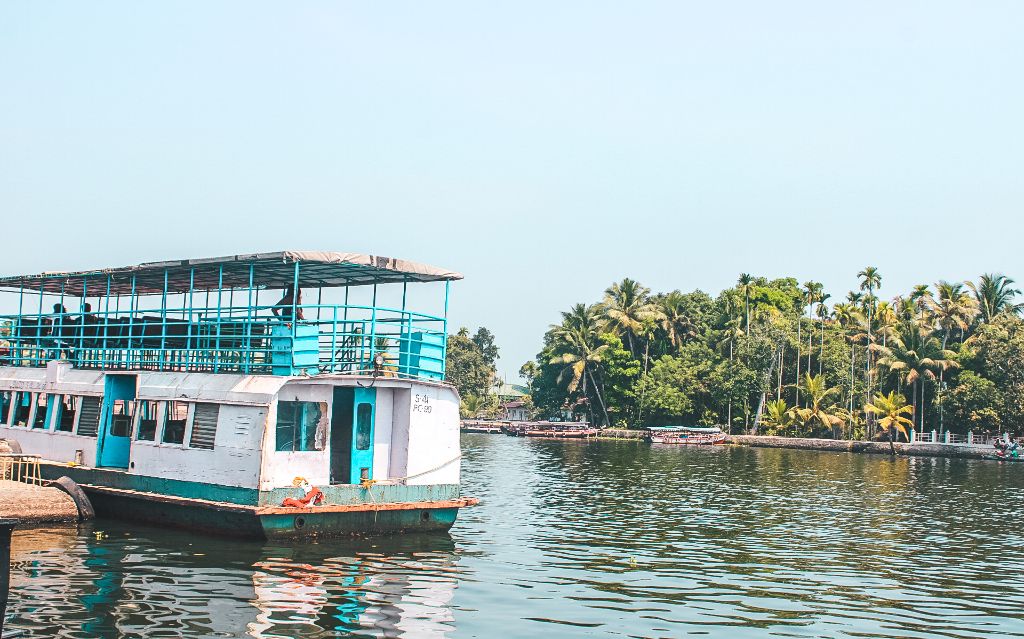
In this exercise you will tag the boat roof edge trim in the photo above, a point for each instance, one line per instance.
(321, 269)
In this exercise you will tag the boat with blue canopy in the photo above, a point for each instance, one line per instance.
(281, 394)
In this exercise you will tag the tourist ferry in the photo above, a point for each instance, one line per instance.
(686, 435)
(271, 394)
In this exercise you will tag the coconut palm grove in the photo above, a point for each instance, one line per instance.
(776, 357)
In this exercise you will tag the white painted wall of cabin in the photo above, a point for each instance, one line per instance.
(234, 460)
(433, 443)
(52, 445)
(382, 431)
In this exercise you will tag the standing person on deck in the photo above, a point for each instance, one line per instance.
(283, 308)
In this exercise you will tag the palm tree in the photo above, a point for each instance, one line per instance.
(678, 326)
(626, 307)
(913, 356)
(954, 309)
(746, 282)
(849, 317)
(892, 409)
(870, 279)
(777, 415)
(576, 345)
(811, 293)
(886, 319)
(919, 297)
(472, 406)
(994, 293)
(819, 408)
(823, 315)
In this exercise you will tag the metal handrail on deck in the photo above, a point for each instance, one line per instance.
(347, 338)
(21, 467)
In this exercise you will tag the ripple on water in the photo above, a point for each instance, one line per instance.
(582, 539)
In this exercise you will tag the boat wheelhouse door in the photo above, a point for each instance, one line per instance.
(114, 437)
(352, 434)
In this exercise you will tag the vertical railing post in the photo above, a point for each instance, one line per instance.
(373, 328)
(404, 335)
(39, 327)
(444, 334)
(81, 314)
(106, 325)
(191, 347)
(131, 325)
(20, 326)
(163, 325)
(58, 331)
(247, 355)
(295, 316)
(350, 339)
(216, 352)
(334, 336)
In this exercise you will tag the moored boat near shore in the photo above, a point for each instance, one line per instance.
(686, 435)
(481, 426)
(172, 393)
(553, 430)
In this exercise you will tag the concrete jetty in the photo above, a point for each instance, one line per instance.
(880, 448)
(31, 504)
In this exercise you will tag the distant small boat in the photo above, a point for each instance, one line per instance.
(468, 426)
(686, 435)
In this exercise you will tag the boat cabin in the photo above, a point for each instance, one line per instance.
(237, 379)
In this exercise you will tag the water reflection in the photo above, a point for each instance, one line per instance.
(583, 539)
(119, 580)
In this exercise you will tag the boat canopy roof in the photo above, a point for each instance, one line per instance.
(316, 269)
(687, 429)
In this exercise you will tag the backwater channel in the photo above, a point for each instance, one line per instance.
(582, 539)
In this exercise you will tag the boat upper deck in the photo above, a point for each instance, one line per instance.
(330, 313)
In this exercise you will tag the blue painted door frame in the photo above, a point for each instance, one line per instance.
(114, 438)
(365, 412)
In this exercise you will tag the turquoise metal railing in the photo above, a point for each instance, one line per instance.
(352, 339)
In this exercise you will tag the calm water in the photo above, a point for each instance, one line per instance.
(600, 539)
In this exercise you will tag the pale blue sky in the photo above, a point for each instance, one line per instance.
(543, 149)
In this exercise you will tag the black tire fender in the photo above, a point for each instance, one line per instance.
(85, 510)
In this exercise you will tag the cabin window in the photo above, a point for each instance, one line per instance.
(5, 407)
(39, 418)
(174, 423)
(22, 408)
(64, 419)
(121, 418)
(301, 426)
(364, 425)
(204, 426)
(145, 416)
(89, 420)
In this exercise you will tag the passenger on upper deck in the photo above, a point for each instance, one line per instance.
(59, 329)
(87, 325)
(283, 308)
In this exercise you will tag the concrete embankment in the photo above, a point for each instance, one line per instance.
(622, 433)
(882, 448)
(838, 445)
(31, 504)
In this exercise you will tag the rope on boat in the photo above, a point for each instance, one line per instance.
(427, 472)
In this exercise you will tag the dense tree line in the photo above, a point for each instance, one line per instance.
(470, 367)
(774, 356)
